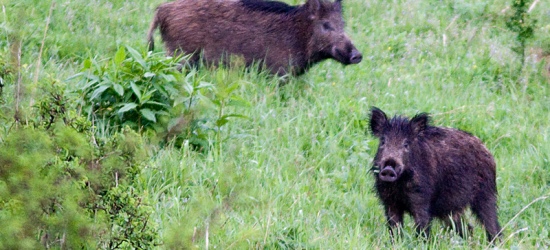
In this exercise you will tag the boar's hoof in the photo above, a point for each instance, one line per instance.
(388, 174)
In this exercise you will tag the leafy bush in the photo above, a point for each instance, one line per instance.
(522, 25)
(61, 187)
(147, 92)
(36, 198)
(132, 89)
(7, 71)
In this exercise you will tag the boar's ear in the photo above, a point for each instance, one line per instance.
(377, 121)
(338, 5)
(313, 6)
(419, 123)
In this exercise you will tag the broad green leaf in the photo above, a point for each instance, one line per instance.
(148, 114)
(119, 89)
(136, 90)
(224, 119)
(92, 77)
(149, 74)
(190, 75)
(237, 101)
(137, 56)
(205, 85)
(208, 102)
(168, 78)
(146, 96)
(215, 101)
(120, 56)
(236, 116)
(89, 84)
(170, 90)
(99, 91)
(231, 88)
(188, 88)
(126, 107)
(226, 92)
(157, 103)
(75, 76)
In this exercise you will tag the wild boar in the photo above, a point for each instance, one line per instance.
(430, 171)
(285, 39)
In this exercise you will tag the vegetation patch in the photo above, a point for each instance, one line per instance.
(105, 145)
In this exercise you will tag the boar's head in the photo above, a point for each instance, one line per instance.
(328, 38)
(399, 141)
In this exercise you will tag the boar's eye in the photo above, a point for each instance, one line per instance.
(327, 26)
(406, 144)
(382, 140)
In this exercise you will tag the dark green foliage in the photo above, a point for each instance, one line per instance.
(131, 225)
(5, 69)
(522, 25)
(149, 93)
(130, 89)
(295, 175)
(61, 188)
(39, 194)
(53, 106)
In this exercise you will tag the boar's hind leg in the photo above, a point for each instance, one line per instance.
(485, 208)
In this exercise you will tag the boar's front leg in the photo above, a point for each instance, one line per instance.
(395, 219)
(422, 221)
(420, 211)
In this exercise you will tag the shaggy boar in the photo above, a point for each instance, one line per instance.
(286, 39)
(430, 171)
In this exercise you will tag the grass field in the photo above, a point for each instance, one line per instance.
(295, 174)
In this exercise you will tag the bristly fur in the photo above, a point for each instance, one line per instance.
(268, 6)
(432, 172)
(281, 38)
(398, 124)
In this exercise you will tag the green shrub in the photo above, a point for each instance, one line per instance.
(5, 69)
(131, 89)
(60, 187)
(522, 25)
(147, 92)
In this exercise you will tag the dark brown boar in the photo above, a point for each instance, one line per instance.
(430, 171)
(285, 39)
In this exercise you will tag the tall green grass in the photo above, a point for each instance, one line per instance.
(295, 174)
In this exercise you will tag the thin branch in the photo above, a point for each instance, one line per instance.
(532, 6)
(267, 229)
(544, 197)
(17, 114)
(39, 60)
(206, 236)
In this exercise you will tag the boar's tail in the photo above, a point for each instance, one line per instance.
(152, 28)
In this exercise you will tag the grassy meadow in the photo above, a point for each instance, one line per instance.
(294, 174)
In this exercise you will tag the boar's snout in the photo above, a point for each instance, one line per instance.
(388, 174)
(390, 171)
(356, 57)
(347, 55)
